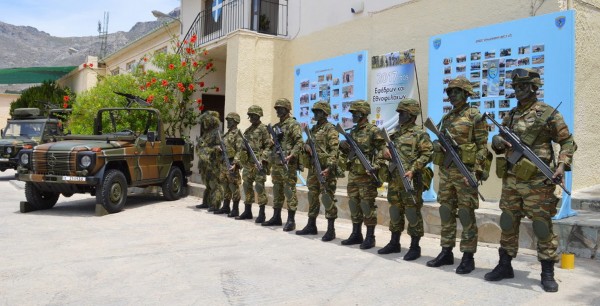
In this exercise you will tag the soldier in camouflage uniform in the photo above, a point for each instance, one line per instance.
(527, 193)
(326, 140)
(362, 190)
(284, 182)
(466, 126)
(231, 178)
(260, 142)
(414, 148)
(208, 152)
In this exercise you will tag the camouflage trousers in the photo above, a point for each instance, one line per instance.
(361, 193)
(231, 185)
(284, 186)
(401, 204)
(214, 189)
(535, 200)
(457, 200)
(251, 176)
(315, 190)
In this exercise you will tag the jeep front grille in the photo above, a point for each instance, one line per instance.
(57, 163)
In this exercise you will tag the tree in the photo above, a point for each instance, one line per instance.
(44, 96)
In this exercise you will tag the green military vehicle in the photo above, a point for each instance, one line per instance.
(27, 128)
(128, 148)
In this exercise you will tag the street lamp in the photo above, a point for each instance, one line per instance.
(159, 14)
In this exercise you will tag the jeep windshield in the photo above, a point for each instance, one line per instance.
(24, 129)
(126, 122)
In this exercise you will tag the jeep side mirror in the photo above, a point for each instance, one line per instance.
(151, 136)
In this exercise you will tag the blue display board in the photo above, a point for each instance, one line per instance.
(339, 81)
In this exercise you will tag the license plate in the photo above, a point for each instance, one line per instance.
(73, 178)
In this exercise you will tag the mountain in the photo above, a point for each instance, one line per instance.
(24, 46)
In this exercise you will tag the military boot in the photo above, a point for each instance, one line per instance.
(212, 208)
(290, 225)
(247, 214)
(414, 251)
(261, 214)
(234, 210)
(393, 246)
(548, 282)
(356, 235)
(330, 233)
(275, 220)
(369, 241)
(467, 264)
(203, 205)
(446, 257)
(310, 228)
(503, 269)
(225, 209)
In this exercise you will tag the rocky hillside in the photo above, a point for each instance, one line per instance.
(24, 46)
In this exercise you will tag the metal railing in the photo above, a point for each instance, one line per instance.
(263, 16)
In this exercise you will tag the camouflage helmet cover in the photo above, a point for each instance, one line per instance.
(210, 120)
(234, 116)
(283, 102)
(255, 109)
(462, 83)
(521, 75)
(409, 105)
(322, 105)
(361, 106)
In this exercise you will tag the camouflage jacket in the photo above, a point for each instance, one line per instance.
(326, 143)
(466, 126)
(370, 140)
(522, 120)
(260, 142)
(233, 142)
(208, 151)
(413, 146)
(291, 142)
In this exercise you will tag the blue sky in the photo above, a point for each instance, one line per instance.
(66, 18)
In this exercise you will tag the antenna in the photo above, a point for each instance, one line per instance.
(103, 35)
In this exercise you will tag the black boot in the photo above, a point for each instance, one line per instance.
(503, 269)
(393, 246)
(225, 209)
(467, 264)
(203, 205)
(310, 228)
(234, 210)
(261, 214)
(290, 225)
(369, 238)
(446, 257)
(548, 282)
(212, 208)
(247, 214)
(356, 236)
(275, 220)
(414, 251)
(330, 234)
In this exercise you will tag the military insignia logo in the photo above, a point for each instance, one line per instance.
(560, 21)
(493, 71)
(437, 43)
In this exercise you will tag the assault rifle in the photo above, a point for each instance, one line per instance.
(451, 156)
(258, 164)
(397, 163)
(360, 155)
(224, 153)
(315, 159)
(520, 149)
(278, 148)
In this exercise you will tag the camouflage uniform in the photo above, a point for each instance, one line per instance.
(231, 181)
(209, 151)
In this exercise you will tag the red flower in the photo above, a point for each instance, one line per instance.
(165, 83)
(150, 98)
(201, 107)
(171, 66)
(148, 84)
(191, 87)
(142, 87)
(145, 59)
(205, 52)
(66, 98)
(180, 85)
(194, 38)
(201, 84)
(182, 89)
(217, 89)
(183, 64)
(153, 80)
(65, 105)
(199, 101)
(85, 65)
(185, 42)
(188, 50)
(166, 99)
(91, 65)
(195, 64)
(193, 51)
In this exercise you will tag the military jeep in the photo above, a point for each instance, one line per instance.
(27, 128)
(128, 148)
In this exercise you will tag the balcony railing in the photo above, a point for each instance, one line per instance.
(263, 16)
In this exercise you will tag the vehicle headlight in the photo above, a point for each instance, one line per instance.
(9, 150)
(85, 161)
(25, 159)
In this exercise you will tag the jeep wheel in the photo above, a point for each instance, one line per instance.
(39, 199)
(113, 191)
(173, 186)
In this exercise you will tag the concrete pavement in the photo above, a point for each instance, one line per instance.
(157, 252)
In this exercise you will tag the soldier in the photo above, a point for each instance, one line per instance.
(327, 145)
(259, 141)
(525, 190)
(231, 178)
(414, 148)
(361, 188)
(208, 152)
(466, 126)
(284, 181)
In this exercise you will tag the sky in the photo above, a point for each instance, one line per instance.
(67, 18)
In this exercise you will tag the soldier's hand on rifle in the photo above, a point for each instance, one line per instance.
(386, 154)
(560, 173)
(499, 143)
(287, 158)
(307, 149)
(325, 173)
(409, 175)
(344, 146)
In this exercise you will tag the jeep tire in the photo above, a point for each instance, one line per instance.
(172, 187)
(113, 191)
(40, 199)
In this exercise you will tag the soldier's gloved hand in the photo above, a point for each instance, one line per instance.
(344, 146)
(307, 149)
(437, 146)
(498, 142)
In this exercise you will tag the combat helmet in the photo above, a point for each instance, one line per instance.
(255, 109)
(283, 102)
(233, 116)
(462, 83)
(521, 75)
(322, 105)
(361, 106)
(410, 106)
